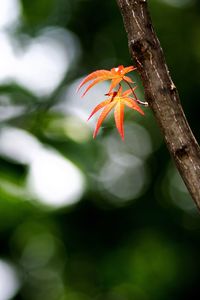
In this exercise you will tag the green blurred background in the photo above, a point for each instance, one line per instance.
(84, 219)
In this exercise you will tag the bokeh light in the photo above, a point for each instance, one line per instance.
(71, 101)
(123, 176)
(178, 191)
(9, 14)
(9, 280)
(51, 178)
(41, 64)
(38, 63)
(54, 180)
(178, 3)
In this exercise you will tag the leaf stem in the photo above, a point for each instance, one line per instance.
(134, 94)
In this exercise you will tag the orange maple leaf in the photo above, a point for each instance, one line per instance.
(118, 100)
(115, 74)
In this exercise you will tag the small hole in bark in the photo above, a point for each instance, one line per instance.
(182, 151)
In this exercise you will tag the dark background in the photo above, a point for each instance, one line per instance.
(85, 219)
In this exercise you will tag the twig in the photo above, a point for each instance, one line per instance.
(161, 93)
(134, 94)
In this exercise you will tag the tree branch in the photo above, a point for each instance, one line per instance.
(161, 93)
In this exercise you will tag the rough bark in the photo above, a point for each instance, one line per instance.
(161, 93)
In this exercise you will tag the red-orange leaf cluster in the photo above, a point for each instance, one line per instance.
(116, 99)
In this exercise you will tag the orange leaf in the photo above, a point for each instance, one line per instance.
(115, 99)
(128, 92)
(128, 69)
(132, 104)
(115, 74)
(119, 118)
(97, 80)
(100, 74)
(114, 83)
(126, 78)
(98, 107)
(102, 116)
